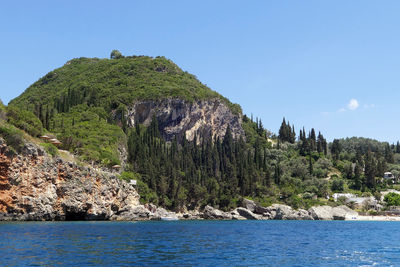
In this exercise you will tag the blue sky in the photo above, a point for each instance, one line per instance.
(331, 65)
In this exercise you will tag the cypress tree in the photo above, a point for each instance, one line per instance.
(370, 170)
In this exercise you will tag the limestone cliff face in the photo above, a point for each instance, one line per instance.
(179, 118)
(34, 186)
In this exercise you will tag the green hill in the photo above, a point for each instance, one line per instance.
(109, 83)
(78, 101)
(83, 103)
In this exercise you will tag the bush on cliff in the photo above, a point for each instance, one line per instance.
(50, 149)
(12, 136)
(25, 120)
(2, 111)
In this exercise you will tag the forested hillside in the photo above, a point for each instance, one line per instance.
(85, 102)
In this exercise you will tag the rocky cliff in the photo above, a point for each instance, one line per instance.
(35, 186)
(177, 117)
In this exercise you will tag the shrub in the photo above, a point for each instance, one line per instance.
(2, 111)
(12, 136)
(392, 199)
(127, 176)
(50, 149)
(337, 185)
(146, 194)
(24, 120)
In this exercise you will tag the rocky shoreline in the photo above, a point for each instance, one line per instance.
(37, 187)
(273, 212)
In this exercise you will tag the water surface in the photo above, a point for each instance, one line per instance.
(201, 243)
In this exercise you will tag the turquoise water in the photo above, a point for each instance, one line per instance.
(200, 243)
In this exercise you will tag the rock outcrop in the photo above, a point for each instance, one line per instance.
(177, 117)
(284, 212)
(249, 204)
(329, 213)
(35, 186)
(210, 213)
(248, 214)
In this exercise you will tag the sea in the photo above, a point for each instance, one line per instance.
(200, 243)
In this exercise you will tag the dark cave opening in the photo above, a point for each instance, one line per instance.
(75, 216)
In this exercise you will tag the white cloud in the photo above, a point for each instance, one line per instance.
(353, 104)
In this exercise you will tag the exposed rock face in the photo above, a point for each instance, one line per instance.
(34, 186)
(321, 212)
(211, 213)
(248, 214)
(329, 213)
(179, 118)
(342, 212)
(284, 212)
(249, 204)
(236, 216)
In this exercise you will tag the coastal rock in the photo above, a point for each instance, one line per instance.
(178, 118)
(135, 213)
(321, 212)
(159, 213)
(329, 213)
(249, 204)
(210, 213)
(35, 186)
(341, 212)
(236, 216)
(303, 215)
(284, 212)
(261, 210)
(247, 214)
(191, 215)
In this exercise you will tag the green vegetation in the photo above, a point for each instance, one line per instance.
(2, 111)
(83, 104)
(220, 172)
(392, 199)
(300, 173)
(13, 136)
(25, 120)
(115, 54)
(84, 130)
(108, 83)
(50, 149)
